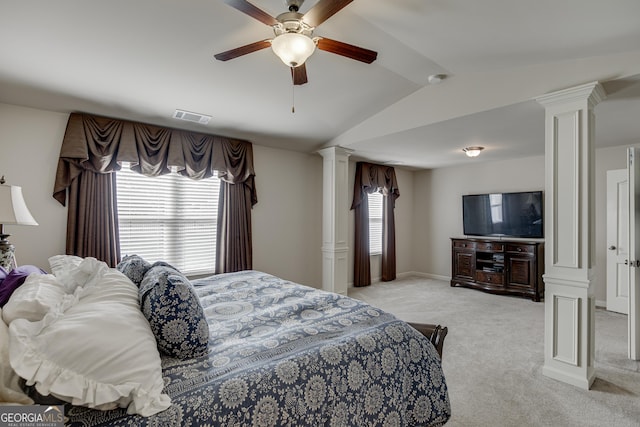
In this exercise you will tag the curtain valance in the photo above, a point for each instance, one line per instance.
(371, 178)
(100, 145)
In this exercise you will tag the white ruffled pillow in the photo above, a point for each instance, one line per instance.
(10, 392)
(38, 294)
(95, 349)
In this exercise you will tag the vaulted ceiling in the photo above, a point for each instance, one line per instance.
(141, 60)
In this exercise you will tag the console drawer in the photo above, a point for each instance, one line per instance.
(490, 247)
(464, 244)
(489, 277)
(520, 248)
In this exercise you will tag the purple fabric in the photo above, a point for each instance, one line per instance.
(3, 274)
(14, 279)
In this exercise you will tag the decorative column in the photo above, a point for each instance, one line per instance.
(335, 216)
(569, 336)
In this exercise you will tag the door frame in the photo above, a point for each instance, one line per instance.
(633, 168)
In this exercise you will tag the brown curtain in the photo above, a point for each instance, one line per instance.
(362, 263)
(92, 200)
(371, 178)
(389, 236)
(237, 196)
(233, 252)
(93, 148)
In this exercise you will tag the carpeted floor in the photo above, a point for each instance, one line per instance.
(494, 352)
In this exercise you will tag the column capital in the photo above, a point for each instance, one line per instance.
(592, 92)
(336, 150)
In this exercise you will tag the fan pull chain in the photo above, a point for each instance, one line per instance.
(293, 99)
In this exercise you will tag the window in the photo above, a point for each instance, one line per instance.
(375, 223)
(170, 218)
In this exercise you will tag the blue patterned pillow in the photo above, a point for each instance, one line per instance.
(170, 304)
(134, 267)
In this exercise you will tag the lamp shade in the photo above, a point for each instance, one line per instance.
(293, 48)
(473, 151)
(13, 209)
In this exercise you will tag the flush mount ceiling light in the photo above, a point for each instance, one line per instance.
(473, 151)
(434, 79)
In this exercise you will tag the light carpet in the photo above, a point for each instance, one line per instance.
(494, 353)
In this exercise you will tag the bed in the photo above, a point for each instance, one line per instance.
(280, 353)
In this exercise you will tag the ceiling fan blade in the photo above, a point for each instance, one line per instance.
(323, 10)
(348, 50)
(242, 50)
(299, 74)
(251, 10)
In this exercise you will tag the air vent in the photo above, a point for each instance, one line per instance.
(191, 117)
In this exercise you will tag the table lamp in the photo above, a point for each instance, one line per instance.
(13, 211)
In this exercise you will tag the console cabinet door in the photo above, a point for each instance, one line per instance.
(464, 265)
(521, 267)
(521, 272)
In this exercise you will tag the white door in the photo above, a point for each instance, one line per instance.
(634, 252)
(617, 241)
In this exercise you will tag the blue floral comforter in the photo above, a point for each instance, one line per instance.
(283, 354)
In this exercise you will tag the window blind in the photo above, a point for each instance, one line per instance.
(169, 218)
(375, 223)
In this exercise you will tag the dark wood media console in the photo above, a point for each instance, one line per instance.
(507, 267)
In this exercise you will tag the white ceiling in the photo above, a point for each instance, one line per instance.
(141, 60)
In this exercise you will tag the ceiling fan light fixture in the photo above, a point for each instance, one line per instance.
(473, 151)
(293, 48)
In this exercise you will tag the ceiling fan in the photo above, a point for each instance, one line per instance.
(294, 41)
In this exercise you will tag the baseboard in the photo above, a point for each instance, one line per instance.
(599, 303)
(425, 275)
(405, 275)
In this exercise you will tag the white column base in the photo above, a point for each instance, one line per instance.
(334, 270)
(577, 381)
(569, 332)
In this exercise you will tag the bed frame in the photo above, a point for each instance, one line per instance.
(435, 333)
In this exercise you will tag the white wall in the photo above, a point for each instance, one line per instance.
(30, 145)
(405, 214)
(438, 206)
(438, 203)
(286, 220)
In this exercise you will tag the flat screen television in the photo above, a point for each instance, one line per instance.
(503, 214)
